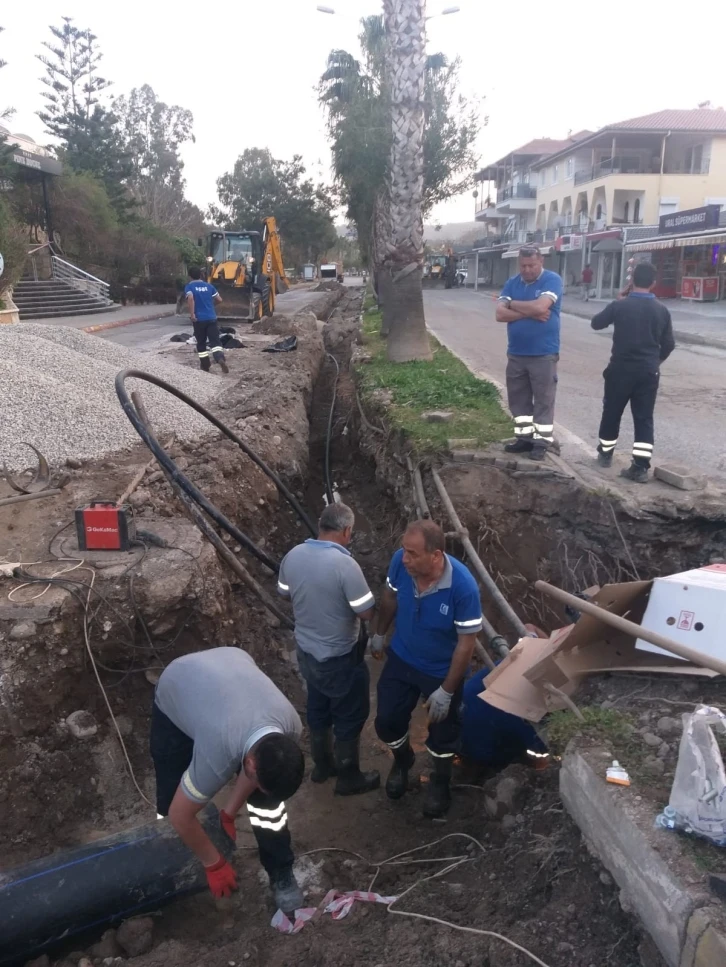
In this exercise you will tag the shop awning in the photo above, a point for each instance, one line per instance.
(512, 253)
(660, 242)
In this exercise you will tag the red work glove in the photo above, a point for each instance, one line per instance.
(221, 877)
(228, 825)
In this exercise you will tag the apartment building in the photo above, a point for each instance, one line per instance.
(597, 191)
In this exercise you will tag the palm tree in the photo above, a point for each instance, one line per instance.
(405, 23)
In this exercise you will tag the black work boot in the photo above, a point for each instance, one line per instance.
(351, 780)
(522, 444)
(438, 793)
(605, 459)
(205, 365)
(403, 760)
(287, 893)
(635, 473)
(219, 358)
(538, 451)
(321, 750)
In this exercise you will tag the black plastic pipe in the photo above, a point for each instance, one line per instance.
(183, 481)
(76, 890)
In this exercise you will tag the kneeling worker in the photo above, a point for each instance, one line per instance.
(216, 714)
(329, 597)
(436, 604)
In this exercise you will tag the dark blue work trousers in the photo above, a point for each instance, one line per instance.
(338, 693)
(400, 688)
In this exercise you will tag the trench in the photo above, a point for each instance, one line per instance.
(536, 882)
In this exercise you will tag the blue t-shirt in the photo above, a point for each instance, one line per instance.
(528, 337)
(428, 625)
(204, 293)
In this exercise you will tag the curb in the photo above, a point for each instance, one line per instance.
(127, 322)
(693, 338)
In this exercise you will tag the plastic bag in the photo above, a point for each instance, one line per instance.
(698, 797)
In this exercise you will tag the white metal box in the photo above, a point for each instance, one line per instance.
(690, 608)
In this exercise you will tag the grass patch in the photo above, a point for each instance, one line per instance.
(445, 383)
(607, 726)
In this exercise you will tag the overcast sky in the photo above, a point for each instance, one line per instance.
(248, 71)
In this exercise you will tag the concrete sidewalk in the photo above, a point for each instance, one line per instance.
(701, 324)
(113, 319)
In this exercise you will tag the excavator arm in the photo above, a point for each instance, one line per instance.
(273, 265)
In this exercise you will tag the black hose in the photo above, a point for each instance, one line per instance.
(183, 481)
(328, 480)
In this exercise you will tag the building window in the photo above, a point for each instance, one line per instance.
(626, 212)
(668, 206)
(569, 164)
(555, 174)
(636, 211)
(598, 212)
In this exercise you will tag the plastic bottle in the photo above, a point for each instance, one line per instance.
(617, 774)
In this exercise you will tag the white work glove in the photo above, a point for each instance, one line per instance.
(376, 644)
(438, 704)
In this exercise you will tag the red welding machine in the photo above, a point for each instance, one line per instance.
(102, 526)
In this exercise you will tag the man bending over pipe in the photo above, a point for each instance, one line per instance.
(215, 715)
(436, 604)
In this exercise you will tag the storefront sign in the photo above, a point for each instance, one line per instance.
(692, 219)
(700, 289)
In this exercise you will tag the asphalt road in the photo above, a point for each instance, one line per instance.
(153, 335)
(690, 413)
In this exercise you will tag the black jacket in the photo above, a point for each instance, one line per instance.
(643, 331)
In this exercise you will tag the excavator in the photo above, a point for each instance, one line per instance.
(247, 270)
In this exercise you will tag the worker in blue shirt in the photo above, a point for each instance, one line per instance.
(201, 299)
(530, 305)
(436, 604)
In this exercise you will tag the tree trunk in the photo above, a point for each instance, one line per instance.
(408, 339)
(405, 22)
(385, 299)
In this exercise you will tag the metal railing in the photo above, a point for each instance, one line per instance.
(516, 191)
(635, 166)
(78, 279)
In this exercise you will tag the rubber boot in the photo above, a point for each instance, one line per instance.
(321, 750)
(397, 782)
(287, 893)
(636, 473)
(351, 781)
(219, 358)
(523, 444)
(438, 793)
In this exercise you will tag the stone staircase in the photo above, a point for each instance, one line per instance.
(46, 299)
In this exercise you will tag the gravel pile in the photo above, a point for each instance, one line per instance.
(57, 392)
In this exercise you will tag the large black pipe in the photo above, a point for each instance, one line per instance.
(181, 478)
(76, 890)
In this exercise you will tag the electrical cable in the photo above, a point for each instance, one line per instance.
(182, 481)
(454, 862)
(328, 480)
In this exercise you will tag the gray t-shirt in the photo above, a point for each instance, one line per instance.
(328, 591)
(221, 700)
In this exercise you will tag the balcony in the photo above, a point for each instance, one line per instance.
(624, 165)
(516, 191)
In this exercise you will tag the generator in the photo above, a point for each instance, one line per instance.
(104, 526)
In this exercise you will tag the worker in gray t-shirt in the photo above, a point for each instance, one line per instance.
(329, 597)
(216, 715)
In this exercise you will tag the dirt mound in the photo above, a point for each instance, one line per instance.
(329, 285)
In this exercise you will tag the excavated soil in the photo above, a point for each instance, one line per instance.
(528, 876)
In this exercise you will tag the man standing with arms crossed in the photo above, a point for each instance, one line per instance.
(530, 305)
(330, 596)
(216, 714)
(436, 604)
(642, 340)
(201, 299)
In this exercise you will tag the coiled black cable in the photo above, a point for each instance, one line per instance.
(183, 481)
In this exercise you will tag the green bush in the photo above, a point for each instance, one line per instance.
(13, 246)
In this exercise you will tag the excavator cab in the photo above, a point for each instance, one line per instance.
(246, 268)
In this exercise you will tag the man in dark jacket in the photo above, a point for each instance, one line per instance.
(642, 340)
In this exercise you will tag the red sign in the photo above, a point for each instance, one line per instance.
(691, 288)
(710, 286)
